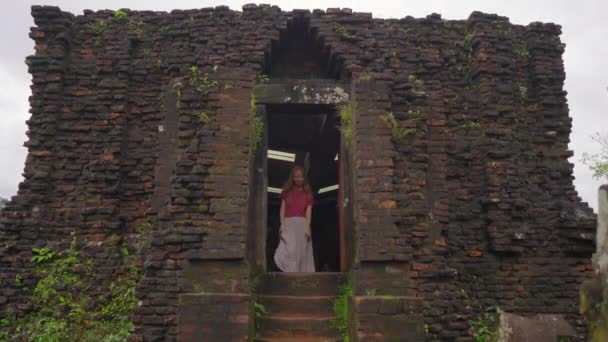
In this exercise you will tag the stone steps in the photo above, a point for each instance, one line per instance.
(299, 307)
(302, 284)
(300, 339)
(297, 326)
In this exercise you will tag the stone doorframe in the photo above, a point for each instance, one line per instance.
(314, 92)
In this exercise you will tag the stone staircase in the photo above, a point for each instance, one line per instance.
(299, 307)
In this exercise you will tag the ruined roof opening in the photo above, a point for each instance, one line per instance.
(301, 54)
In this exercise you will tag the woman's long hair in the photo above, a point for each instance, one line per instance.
(289, 183)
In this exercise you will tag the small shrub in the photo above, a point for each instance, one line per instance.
(485, 327)
(120, 14)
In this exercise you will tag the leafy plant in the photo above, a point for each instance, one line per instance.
(469, 124)
(521, 50)
(370, 292)
(120, 14)
(136, 25)
(468, 48)
(67, 304)
(263, 78)
(523, 92)
(42, 254)
(485, 327)
(340, 306)
(598, 163)
(98, 29)
(258, 131)
(346, 118)
(259, 309)
(342, 32)
(202, 116)
(397, 132)
(201, 81)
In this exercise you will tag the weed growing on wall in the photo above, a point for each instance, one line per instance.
(346, 117)
(66, 305)
(341, 310)
(257, 126)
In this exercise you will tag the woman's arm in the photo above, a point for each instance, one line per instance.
(308, 216)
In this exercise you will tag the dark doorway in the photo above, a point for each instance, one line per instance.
(307, 135)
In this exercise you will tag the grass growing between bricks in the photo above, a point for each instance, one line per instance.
(341, 310)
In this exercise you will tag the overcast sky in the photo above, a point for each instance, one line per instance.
(585, 33)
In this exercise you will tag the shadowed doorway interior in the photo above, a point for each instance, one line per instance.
(306, 135)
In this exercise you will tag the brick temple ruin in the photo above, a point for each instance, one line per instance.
(440, 147)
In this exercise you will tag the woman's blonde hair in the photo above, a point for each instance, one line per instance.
(289, 183)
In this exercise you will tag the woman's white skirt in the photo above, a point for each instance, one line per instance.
(294, 253)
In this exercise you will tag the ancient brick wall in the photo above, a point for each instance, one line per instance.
(469, 193)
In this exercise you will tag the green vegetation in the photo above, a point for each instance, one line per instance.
(468, 56)
(342, 32)
(120, 14)
(470, 124)
(598, 163)
(485, 327)
(397, 132)
(66, 302)
(521, 51)
(595, 310)
(255, 274)
(257, 126)
(98, 29)
(201, 81)
(340, 306)
(202, 117)
(263, 78)
(418, 84)
(523, 92)
(136, 25)
(346, 118)
(177, 90)
(485, 324)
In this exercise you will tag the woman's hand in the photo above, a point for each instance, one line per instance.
(307, 233)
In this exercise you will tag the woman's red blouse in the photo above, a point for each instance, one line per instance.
(296, 202)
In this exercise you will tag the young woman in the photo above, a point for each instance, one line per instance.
(294, 253)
